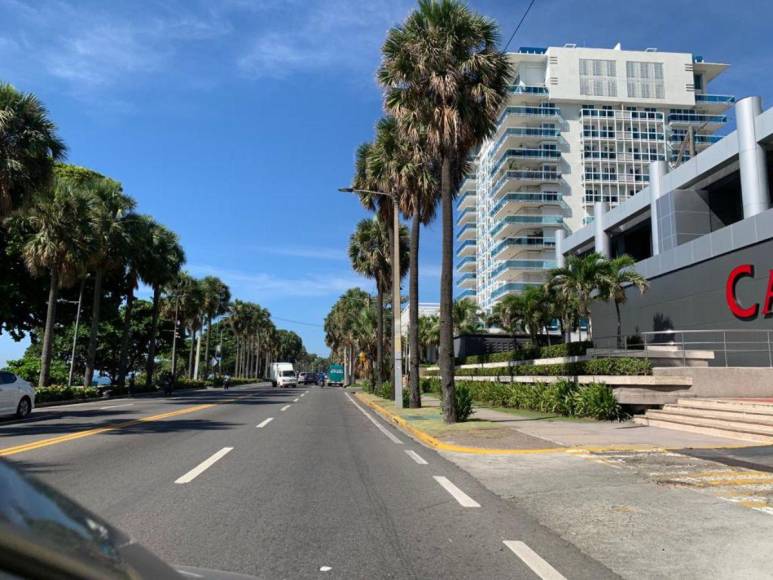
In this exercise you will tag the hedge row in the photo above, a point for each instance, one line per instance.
(531, 352)
(63, 393)
(595, 400)
(601, 366)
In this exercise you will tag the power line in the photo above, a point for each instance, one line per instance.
(519, 23)
(297, 322)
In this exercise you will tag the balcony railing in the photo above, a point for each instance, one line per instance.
(532, 50)
(721, 99)
(547, 197)
(464, 230)
(465, 277)
(550, 112)
(511, 287)
(462, 197)
(523, 265)
(525, 175)
(623, 115)
(463, 214)
(696, 118)
(699, 138)
(527, 90)
(465, 245)
(537, 220)
(469, 293)
(526, 132)
(538, 154)
(463, 261)
(526, 241)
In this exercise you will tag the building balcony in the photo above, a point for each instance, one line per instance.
(525, 157)
(602, 135)
(513, 180)
(526, 113)
(467, 216)
(466, 248)
(621, 115)
(466, 200)
(514, 269)
(699, 138)
(511, 226)
(514, 247)
(683, 119)
(467, 264)
(510, 288)
(714, 103)
(617, 178)
(513, 203)
(466, 280)
(467, 232)
(527, 90)
(512, 137)
(469, 293)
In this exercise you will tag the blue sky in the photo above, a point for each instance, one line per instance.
(234, 121)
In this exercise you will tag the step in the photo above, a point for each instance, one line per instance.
(721, 414)
(755, 428)
(728, 405)
(713, 431)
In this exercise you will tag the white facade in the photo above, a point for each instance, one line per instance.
(580, 125)
(425, 309)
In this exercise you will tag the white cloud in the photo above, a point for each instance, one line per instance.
(305, 252)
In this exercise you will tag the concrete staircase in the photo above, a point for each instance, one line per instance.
(744, 419)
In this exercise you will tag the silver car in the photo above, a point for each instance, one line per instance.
(16, 395)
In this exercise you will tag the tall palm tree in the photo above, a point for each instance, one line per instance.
(615, 278)
(55, 240)
(509, 315)
(579, 278)
(429, 332)
(445, 78)
(165, 258)
(216, 297)
(466, 317)
(111, 210)
(29, 147)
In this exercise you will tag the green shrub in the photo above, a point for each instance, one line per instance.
(528, 352)
(463, 402)
(598, 401)
(603, 366)
(558, 398)
(618, 366)
(62, 393)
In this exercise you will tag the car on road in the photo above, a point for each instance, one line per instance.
(307, 378)
(335, 375)
(16, 395)
(282, 374)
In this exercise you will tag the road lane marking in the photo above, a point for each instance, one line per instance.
(203, 466)
(265, 422)
(303, 395)
(416, 457)
(285, 408)
(534, 561)
(461, 497)
(117, 406)
(89, 432)
(391, 436)
(296, 399)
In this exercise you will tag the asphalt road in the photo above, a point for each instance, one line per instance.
(284, 483)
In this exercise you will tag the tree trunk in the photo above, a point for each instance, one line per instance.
(206, 347)
(379, 370)
(92, 351)
(127, 318)
(619, 326)
(190, 352)
(197, 362)
(236, 356)
(446, 346)
(151, 362)
(174, 340)
(48, 335)
(413, 313)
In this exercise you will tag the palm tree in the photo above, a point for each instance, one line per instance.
(111, 209)
(55, 239)
(165, 258)
(216, 297)
(445, 78)
(369, 252)
(509, 315)
(579, 278)
(466, 317)
(29, 147)
(615, 278)
(429, 332)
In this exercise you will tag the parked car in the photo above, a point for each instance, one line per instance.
(16, 395)
(282, 374)
(307, 378)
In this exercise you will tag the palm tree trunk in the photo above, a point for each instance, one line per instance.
(127, 317)
(619, 326)
(378, 372)
(48, 335)
(174, 340)
(197, 361)
(446, 347)
(413, 312)
(190, 352)
(151, 362)
(206, 347)
(91, 355)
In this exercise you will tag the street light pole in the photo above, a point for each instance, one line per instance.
(397, 332)
(75, 335)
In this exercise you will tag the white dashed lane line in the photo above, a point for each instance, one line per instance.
(296, 399)
(462, 498)
(533, 560)
(285, 408)
(391, 436)
(264, 422)
(416, 457)
(204, 465)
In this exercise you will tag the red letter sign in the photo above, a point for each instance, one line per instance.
(738, 310)
(766, 311)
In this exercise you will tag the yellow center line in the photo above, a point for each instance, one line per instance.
(89, 432)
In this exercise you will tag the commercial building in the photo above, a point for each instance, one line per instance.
(580, 126)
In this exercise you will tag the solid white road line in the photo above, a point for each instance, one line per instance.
(265, 422)
(285, 408)
(533, 561)
(116, 406)
(416, 457)
(461, 497)
(391, 436)
(204, 465)
(296, 399)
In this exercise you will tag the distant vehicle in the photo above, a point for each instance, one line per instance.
(282, 374)
(335, 375)
(16, 395)
(307, 378)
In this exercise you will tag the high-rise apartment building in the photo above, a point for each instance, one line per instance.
(579, 126)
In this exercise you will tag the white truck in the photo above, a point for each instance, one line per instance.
(282, 374)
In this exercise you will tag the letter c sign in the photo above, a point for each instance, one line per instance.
(750, 312)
